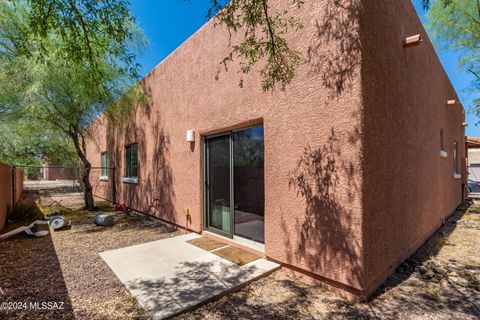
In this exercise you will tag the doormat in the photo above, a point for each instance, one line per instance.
(236, 255)
(206, 244)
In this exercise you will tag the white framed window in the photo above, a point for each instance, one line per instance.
(456, 166)
(131, 164)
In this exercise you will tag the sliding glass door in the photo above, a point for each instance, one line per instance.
(234, 183)
(218, 183)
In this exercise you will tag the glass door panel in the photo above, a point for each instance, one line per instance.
(249, 196)
(218, 183)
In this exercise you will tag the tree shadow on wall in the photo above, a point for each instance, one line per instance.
(154, 193)
(158, 186)
(336, 50)
(326, 235)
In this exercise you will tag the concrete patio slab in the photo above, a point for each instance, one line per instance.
(170, 276)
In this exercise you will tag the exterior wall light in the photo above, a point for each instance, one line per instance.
(190, 135)
(464, 124)
(413, 41)
(451, 102)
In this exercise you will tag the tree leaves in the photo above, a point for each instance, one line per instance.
(263, 39)
(427, 3)
(88, 32)
(91, 30)
(455, 25)
(23, 142)
(42, 86)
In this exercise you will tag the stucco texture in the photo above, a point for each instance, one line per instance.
(311, 125)
(5, 192)
(408, 188)
(346, 146)
(6, 189)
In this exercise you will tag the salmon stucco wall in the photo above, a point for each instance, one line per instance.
(5, 192)
(354, 181)
(6, 189)
(313, 178)
(408, 188)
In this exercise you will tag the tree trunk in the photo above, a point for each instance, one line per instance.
(88, 192)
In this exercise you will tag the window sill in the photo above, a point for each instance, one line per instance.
(130, 180)
(457, 175)
(443, 154)
(103, 178)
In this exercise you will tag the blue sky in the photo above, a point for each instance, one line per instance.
(168, 23)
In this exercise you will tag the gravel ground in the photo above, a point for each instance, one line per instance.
(440, 281)
(65, 267)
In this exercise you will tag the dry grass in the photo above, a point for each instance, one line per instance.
(472, 216)
(65, 267)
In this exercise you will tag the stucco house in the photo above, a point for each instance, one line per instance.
(56, 172)
(339, 178)
(472, 144)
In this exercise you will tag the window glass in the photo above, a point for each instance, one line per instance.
(134, 163)
(127, 161)
(455, 156)
(105, 164)
(131, 161)
(442, 147)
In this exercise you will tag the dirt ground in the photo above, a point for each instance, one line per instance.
(64, 267)
(70, 199)
(440, 281)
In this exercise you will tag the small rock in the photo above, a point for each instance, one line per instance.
(422, 269)
(470, 268)
(439, 269)
(437, 277)
(453, 274)
(452, 266)
(458, 281)
(462, 282)
(444, 283)
(429, 274)
(453, 279)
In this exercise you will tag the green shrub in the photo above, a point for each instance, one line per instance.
(25, 213)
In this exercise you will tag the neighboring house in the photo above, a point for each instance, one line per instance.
(54, 172)
(473, 146)
(339, 178)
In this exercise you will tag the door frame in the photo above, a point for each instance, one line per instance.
(228, 133)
